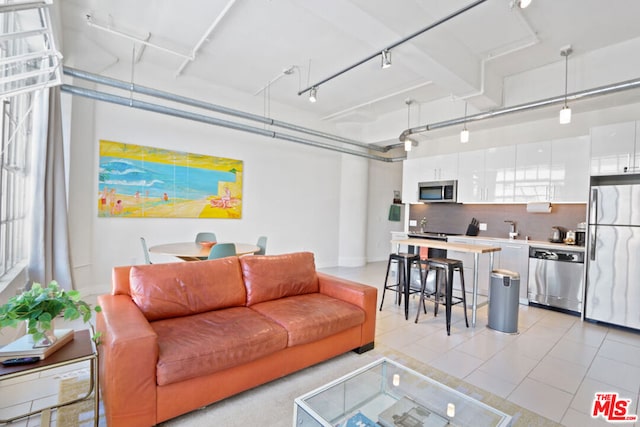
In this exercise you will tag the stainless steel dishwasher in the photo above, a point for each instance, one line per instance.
(556, 278)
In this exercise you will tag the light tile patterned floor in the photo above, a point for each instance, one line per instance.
(553, 366)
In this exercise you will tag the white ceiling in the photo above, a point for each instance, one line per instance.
(467, 57)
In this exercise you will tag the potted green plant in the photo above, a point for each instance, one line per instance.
(39, 305)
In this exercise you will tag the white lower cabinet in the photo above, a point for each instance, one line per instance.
(513, 256)
(484, 265)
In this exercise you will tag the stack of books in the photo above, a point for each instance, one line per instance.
(23, 346)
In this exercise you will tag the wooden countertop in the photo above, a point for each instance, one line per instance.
(438, 244)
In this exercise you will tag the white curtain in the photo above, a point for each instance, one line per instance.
(49, 255)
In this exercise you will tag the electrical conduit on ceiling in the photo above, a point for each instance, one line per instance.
(205, 37)
(588, 93)
(156, 108)
(95, 78)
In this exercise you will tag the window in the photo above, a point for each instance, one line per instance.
(29, 62)
(29, 59)
(16, 132)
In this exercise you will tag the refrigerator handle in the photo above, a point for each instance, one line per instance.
(592, 244)
(593, 214)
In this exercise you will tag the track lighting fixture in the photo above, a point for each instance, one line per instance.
(522, 4)
(565, 113)
(313, 94)
(464, 134)
(386, 58)
(393, 45)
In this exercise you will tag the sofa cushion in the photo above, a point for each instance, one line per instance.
(183, 288)
(269, 277)
(311, 317)
(193, 346)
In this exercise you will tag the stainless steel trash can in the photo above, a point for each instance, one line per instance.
(504, 294)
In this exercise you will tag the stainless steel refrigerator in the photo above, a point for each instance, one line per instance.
(613, 251)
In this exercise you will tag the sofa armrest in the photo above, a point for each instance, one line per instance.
(128, 358)
(361, 295)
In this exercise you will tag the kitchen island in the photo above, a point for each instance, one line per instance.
(476, 250)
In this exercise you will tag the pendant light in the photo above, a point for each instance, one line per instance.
(565, 112)
(464, 134)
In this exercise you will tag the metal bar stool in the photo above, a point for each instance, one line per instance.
(403, 282)
(447, 266)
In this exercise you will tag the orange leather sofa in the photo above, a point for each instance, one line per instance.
(179, 336)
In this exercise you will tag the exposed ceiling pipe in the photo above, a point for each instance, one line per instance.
(575, 96)
(90, 22)
(205, 37)
(156, 108)
(212, 107)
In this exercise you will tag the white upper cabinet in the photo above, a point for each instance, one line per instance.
(613, 149)
(439, 168)
(499, 173)
(570, 170)
(486, 176)
(410, 178)
(471, 187)
(553, 171)
(424, 169)
(533, 172)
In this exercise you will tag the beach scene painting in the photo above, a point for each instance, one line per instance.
(146, 182)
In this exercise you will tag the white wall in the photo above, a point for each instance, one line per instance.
(291, 192)
(384, 178)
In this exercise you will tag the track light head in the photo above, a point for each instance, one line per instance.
(313, 94)
(386, 58)
(522, 4)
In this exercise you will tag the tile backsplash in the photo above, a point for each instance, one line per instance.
(454, 218)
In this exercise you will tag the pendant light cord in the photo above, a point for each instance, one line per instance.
(465, 115)
(566, 77)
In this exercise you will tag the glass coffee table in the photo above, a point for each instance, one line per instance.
(385, 393)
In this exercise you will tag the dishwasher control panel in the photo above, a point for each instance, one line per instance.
(556, 255)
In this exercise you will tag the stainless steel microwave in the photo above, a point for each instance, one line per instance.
(438, 191)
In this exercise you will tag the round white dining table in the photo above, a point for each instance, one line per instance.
(192, 251)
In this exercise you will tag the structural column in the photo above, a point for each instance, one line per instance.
(354, 184)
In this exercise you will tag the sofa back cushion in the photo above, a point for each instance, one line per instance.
(269, 277)
(162, 291)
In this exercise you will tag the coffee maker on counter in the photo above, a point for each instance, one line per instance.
(581, 234)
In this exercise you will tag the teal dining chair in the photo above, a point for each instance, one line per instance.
(262, 244)
(222, 250)
(145, 250)
(206, 236)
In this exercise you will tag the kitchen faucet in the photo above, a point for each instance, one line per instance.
(512, 229)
